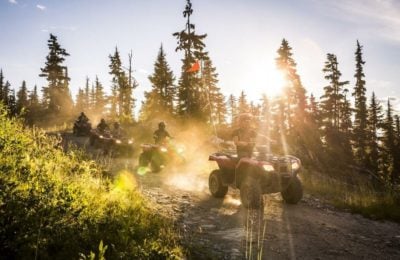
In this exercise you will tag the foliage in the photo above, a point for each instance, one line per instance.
(55, 205)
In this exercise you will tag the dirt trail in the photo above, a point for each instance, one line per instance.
(221, 229)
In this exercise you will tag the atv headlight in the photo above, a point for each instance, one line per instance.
(130, 142)
(101, 137)
(118, 141)
(295, 166)
(163, 149)
(268, 167)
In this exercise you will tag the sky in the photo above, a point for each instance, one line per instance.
(243, 37)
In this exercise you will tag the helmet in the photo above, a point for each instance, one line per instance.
(161, 125)
(245, 118)
(116, 125)
(102, 120)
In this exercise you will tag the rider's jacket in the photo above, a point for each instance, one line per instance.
(160, 135)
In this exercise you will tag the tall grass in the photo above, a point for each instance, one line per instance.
(358, 196)
(56, 205)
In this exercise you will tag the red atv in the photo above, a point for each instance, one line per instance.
(261, 174)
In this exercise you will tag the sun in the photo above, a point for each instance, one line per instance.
(275, 82)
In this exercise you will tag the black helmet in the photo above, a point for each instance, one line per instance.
(161, 125)
(102, 120)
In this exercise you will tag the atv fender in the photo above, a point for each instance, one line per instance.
(246, 168)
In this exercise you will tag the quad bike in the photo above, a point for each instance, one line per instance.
(111, 144)
(82, 128)
(121, 146)
(262, 174)
(159, 155)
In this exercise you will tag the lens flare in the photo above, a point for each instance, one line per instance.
(143, 170)
(125, 181)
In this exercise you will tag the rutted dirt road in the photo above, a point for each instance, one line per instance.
(221, 229)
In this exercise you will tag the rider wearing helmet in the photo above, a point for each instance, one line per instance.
(102, 126)
(244, 136)
(160, 135)
(82, 118)
(117, 132)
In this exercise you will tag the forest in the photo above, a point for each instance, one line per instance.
(349, 144)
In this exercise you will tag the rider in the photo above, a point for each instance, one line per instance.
(102, 126)
(83, 118)
(160, 135)
(118, 132)
(244, 136)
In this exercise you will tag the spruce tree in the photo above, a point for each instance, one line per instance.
(214, 100)
(22, 98)
(335, 115)
(294, 92)
(243, 105)
(360, 108)
(391, 166)
(2, 85)
(232, 107)
(160, 99)
(374, 126)
(56, 95)
(100, 100)
(34, 108)
(80, 101)
(332, 100)
(122, 101)
(189, 86)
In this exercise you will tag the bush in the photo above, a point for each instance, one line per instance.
(59, 206)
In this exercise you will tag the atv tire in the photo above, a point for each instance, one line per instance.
(250, 194)
(217, 189)
(294, 192)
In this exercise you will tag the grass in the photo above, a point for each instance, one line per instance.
(56, 205)
(358, 197)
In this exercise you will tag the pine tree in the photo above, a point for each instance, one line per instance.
(332, 100)
(243, 105)
(80, 105)
(100, 100)
(22, 98)
(214, 100)
(313, 111)
(56, 95)
(189, 86)
(391, 166)
(160, 99)
(375, 118)
(232, 107)
(360, 108)
(6, 94)
(335, 115)
(295, 93)
(122, 101)
(12, 103)
(86, 99)
(34, 109)
(2, 85)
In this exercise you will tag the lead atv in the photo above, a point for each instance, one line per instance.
(82, 128)
(160, 155)
(262, 174)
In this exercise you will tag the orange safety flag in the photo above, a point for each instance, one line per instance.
(195, 67)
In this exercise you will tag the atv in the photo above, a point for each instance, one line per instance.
(82, 128)
(121, 146)
(159, 155)
(262, 174)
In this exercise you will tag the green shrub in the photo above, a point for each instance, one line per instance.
(56, 205)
